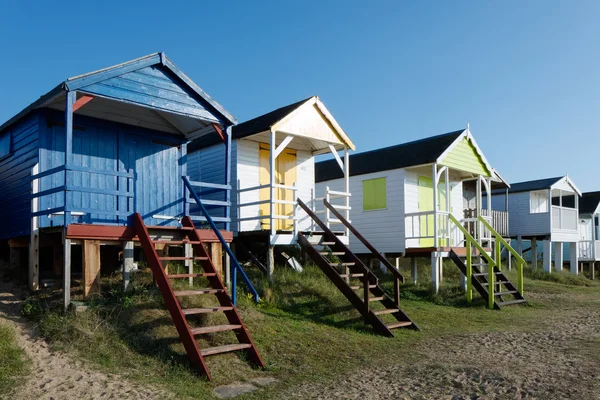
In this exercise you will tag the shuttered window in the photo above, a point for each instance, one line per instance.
(4, 144)
(374, 194)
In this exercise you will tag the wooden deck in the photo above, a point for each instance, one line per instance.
(426, 251)
(127, 233)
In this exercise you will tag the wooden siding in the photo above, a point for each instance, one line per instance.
(383, 228)
(155, 87)
(208, 165)
(107, 146)
(464, 157)
(247, 176)
(15, 171)
(309, 122)
(520, 220)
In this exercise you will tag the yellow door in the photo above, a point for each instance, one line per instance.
(285, 174)
(425, 204)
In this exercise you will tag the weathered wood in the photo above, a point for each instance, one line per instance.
(125, 233)
(91, 267)
(216, 256)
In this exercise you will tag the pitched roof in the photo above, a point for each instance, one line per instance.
(79, 81)
(419, 152)
(527, 186)
(589, 202)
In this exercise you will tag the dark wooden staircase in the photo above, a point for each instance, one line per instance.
(188, 234)
(505, 293)
(353, 278)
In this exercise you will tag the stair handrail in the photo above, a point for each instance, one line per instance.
(509, 248)
(234, 261)
(323, 226)
(364, 241)
(491, 263)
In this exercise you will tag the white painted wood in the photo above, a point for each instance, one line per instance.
(574, 259)
(282, 146)
(127, 263)
(66, 271)
(558, 256)
(547, 256)
(34, 238)
(188, 251)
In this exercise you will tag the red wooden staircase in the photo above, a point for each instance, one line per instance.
(354, 279)
(182, 317)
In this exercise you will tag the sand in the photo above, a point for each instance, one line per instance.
(54, 375)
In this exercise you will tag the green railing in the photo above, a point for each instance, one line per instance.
(470, 243)
(498, 251)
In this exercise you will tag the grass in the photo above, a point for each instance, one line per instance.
(14, 364)
(304, 328)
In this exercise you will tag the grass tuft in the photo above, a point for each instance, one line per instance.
(14, 364)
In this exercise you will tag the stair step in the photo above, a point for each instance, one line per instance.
(175, 242)
(224, 349)
(376, 298)
(193, 311)
(332, 253)
(206, 274)
(352, 275)
(399, 324)
(327, 243)
(179, 293)
(486, 274)
(183, 258)
(214, 328)
(508, 303)
(356, 287)
(505, 293)
(342, 264)
(386, 311)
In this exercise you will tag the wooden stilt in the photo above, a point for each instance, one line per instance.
(188, 252)
(216, 256)
(270, 261)
(66, 271)
(91, 267)
(413, 275)
(435, 273)
(547, 256)
(127, 263)
(558, 256)
(34, 239)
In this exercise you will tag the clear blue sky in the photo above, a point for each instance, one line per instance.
(525, 74)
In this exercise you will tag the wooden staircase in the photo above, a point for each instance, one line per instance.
(182, 317)
(505, 293)
(352, 277)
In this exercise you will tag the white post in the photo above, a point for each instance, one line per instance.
(272, 182)
(478, 210)
(558, 256)
(127, 263)
(574, 259)
(435, 283)
(34, 239)
(547, 263)
(228, 270)
(520, 245)
(413, 264)
(66, 270)
(534, 254)
(347, 186)
(435, 201)
(188, 252)
(294, 214)
(327, 212)
(448, 205)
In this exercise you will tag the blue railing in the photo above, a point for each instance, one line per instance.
(234, 263)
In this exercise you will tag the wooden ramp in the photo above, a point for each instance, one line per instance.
(505, 293)
(354, 279)
(188, 234)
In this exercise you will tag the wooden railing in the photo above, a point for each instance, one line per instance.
(497, 219)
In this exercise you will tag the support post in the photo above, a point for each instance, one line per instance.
(216, 256)
(229, 131)
(534, 253)
(91, 267)
(347, 186)
(127, 263)
(413, 275)
(270, 261)
(70, 100)
(592, 270)
(188, 252)
(547, 256)
(574, 258)
(435, 206)
(558, 256)
(520, 245)
(435, 283)
(469, 275)
(227, 269)
(34, 239)
(66, 270)
(272, 188)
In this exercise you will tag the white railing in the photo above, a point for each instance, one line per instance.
(271, 217)
(564, 218)
(333, 197)
(497, 219)
(588, 249)
(431, 225)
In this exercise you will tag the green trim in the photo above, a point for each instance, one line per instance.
(374, 194)
(465, 157)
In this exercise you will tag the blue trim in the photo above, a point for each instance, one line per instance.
(234, 261)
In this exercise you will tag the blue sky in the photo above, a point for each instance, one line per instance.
(525, 75)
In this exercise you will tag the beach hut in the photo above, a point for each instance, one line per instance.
(546, 210)
(589, 239)
(403, 197)
(100, 160)
(273, 166)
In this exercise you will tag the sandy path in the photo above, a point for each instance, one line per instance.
(56, 376)
(558, 363)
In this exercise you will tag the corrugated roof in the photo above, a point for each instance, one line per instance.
(419, 152)
(589, 202)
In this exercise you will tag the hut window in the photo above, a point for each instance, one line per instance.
(374, 194)
(4, 145)
(538, 201)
